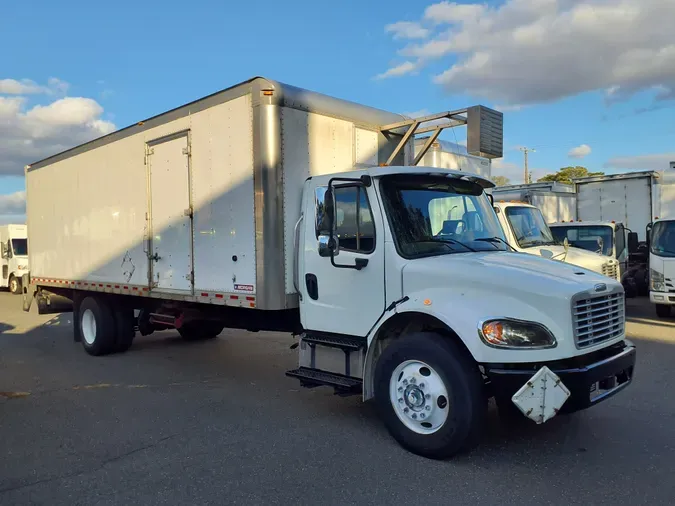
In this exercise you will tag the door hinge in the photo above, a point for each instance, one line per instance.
(190, 277)
(188, 212)
(186, 151)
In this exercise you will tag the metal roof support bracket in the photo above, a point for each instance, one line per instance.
(453, 119)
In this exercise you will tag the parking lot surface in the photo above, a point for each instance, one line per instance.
(217, 422)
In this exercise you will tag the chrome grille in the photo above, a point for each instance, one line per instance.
(609, 269)
(598, 318)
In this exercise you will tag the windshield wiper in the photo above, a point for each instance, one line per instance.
(452, 241)
(492, 240)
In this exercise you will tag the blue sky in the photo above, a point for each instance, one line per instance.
(129, 60)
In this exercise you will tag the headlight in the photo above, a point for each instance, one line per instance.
(518, 334)
(657, 280)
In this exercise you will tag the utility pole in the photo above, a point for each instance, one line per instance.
(525, 152)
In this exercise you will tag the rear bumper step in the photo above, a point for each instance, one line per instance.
(345, 385)
(347, 343)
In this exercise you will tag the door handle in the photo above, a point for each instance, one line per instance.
(312, 286)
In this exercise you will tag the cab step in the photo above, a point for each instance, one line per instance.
(348, 343)
(310, 378)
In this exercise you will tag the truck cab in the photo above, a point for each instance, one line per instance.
(527, 231)
(13, 256)
(412, 265)
(662, 266)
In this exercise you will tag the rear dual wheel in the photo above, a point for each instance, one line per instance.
(15, 285)
(105, 328)
(200, 330)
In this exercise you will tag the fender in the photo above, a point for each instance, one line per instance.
(458, 313)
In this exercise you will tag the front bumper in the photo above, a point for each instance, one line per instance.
(662, 298)
(589, 378)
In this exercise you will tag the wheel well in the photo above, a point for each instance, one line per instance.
(397, 326)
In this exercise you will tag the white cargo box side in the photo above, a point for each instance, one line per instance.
(198, 203)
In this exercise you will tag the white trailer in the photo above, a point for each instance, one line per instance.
(634, 199)
(13, 256)
(265, 207)
(556, 201)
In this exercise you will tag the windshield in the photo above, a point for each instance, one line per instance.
(437, 215)
(20, 247)
(663, 239)
(596, 238)
(529, 227)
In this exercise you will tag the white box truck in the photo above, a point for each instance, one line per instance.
(269, 207)
(13, 256)
(662, 266)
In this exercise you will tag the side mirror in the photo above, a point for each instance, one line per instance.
(566, 244)
(329, 207)
(328, 246)
(632, 242)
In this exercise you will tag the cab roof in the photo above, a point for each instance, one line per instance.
(407, 169)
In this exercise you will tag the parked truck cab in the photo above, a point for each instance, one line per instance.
(527, 231)
(13, 256)
(662, 266)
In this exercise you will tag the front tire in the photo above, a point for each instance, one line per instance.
(662, 310)
(15, 285)
(430, 394)
(97, 325)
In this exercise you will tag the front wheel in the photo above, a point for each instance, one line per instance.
(662, 310)
(430, 395)
(15, 285)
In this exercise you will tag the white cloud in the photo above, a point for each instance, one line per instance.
(535, 51)
(28, 134)
(579, 151)
(399, 70)
(14, 203)
(407, 30)
(659, 161)
(516, 172)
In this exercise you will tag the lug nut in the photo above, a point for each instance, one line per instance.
(413, 380)
(405, 410)
(421, 385)
(422, 415)
(428, 408)
(400, 389)
(405, 382)
(401, 399)
(414, 416)
(427, 396)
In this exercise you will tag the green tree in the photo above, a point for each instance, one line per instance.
(501, 180)
(567, 174)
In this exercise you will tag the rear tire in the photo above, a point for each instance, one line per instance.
(15, 285)
(124, 324)
(445, 411)
(662, 310)
(200, 330)
(97, 325)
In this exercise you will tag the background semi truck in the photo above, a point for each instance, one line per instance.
(13, 256)
(269, 207)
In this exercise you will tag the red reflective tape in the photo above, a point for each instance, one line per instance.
(219, 295)
(250, 298)
(205, 294)
(101, 285)
(134, 288)
(145, 289)
(117, 286)
(109, 286)
(234, 297)
(126, 287)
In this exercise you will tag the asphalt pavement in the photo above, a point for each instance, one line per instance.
(217, 422)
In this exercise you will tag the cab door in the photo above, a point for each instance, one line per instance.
(348, 297)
